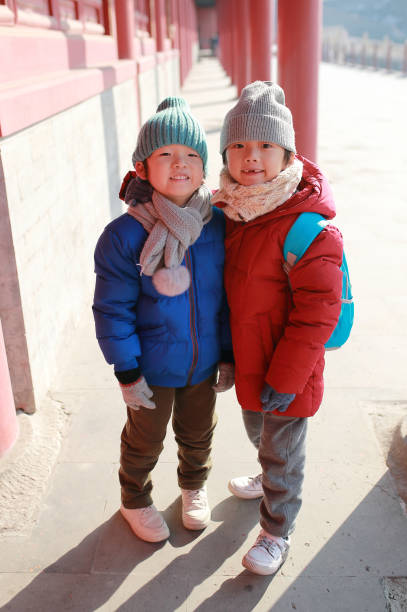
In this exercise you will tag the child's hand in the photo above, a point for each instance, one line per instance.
(226, 377)
(138, 394)
(272, 400)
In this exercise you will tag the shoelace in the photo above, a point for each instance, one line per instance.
(196, 497)
(149, 516)
(271, 546)
(255, 481)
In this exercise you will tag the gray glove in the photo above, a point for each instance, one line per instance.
(226, 377)
(138, 394)
(273, 400)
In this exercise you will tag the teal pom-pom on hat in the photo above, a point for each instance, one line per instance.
(172, 123)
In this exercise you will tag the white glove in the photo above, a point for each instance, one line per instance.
(138, 394)
(226, 377)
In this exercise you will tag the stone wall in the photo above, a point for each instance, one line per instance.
(60, 183)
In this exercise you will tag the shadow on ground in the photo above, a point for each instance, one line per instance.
(341, 570)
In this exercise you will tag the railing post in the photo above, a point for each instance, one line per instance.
(388, 54)
(363, 51)
(375, 55)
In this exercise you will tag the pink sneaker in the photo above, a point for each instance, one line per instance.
(147, 523)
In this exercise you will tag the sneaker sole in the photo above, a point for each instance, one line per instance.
(148, 537)
(152, 539)
(243, 495)
(195, 524)
(262, 570)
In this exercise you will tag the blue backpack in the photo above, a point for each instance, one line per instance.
(305, 229)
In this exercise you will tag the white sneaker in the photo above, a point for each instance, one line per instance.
(147, 523)
(267, 555)
(246, 487)
(196, 513)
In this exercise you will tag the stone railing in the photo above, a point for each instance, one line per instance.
(340, 48)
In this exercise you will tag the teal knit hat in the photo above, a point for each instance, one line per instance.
(172, 123)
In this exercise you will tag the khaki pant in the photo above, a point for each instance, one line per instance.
(193, 422)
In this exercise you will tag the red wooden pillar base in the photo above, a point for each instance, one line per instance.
(299, 46)
(8, 417)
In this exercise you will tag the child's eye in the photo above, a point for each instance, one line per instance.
(193, 155)
(237, 145)
(267, 145)
(164, 154)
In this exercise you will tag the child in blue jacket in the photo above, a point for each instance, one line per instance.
(160, 313)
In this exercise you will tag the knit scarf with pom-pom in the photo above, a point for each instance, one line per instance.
(172, 230)
(246, 202)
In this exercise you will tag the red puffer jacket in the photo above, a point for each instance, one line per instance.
(279, 333)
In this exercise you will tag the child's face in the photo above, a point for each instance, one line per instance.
(253, 162)
(175, 171)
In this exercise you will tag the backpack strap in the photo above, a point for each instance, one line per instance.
(304, 230)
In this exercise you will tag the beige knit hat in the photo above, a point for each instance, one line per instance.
(260, 114)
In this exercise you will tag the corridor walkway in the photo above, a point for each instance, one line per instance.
(351, 536)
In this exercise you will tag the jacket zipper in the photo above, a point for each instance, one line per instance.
(192, 321)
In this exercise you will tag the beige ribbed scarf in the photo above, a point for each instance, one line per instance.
(171, 231)
(246, 202)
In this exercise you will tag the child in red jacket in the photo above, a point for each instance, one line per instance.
(280, 320)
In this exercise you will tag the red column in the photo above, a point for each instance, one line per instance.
(187, 37)
(160, 23)
(182, 49)
(175, 24)
(191, 37)
(299, 47)
(243, 36)
(228, 39)
(235, 46)
(125, 29)
(221, 32)
(8, 418)
(224, 29)
(261, 31)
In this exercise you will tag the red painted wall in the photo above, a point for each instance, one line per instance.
(54, 59)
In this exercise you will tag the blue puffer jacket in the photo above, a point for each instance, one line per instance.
(174, 341)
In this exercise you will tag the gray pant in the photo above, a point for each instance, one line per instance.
(280, 441)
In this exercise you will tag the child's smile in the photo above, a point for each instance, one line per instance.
(180, 177)
(252, 171)
(253, 162)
